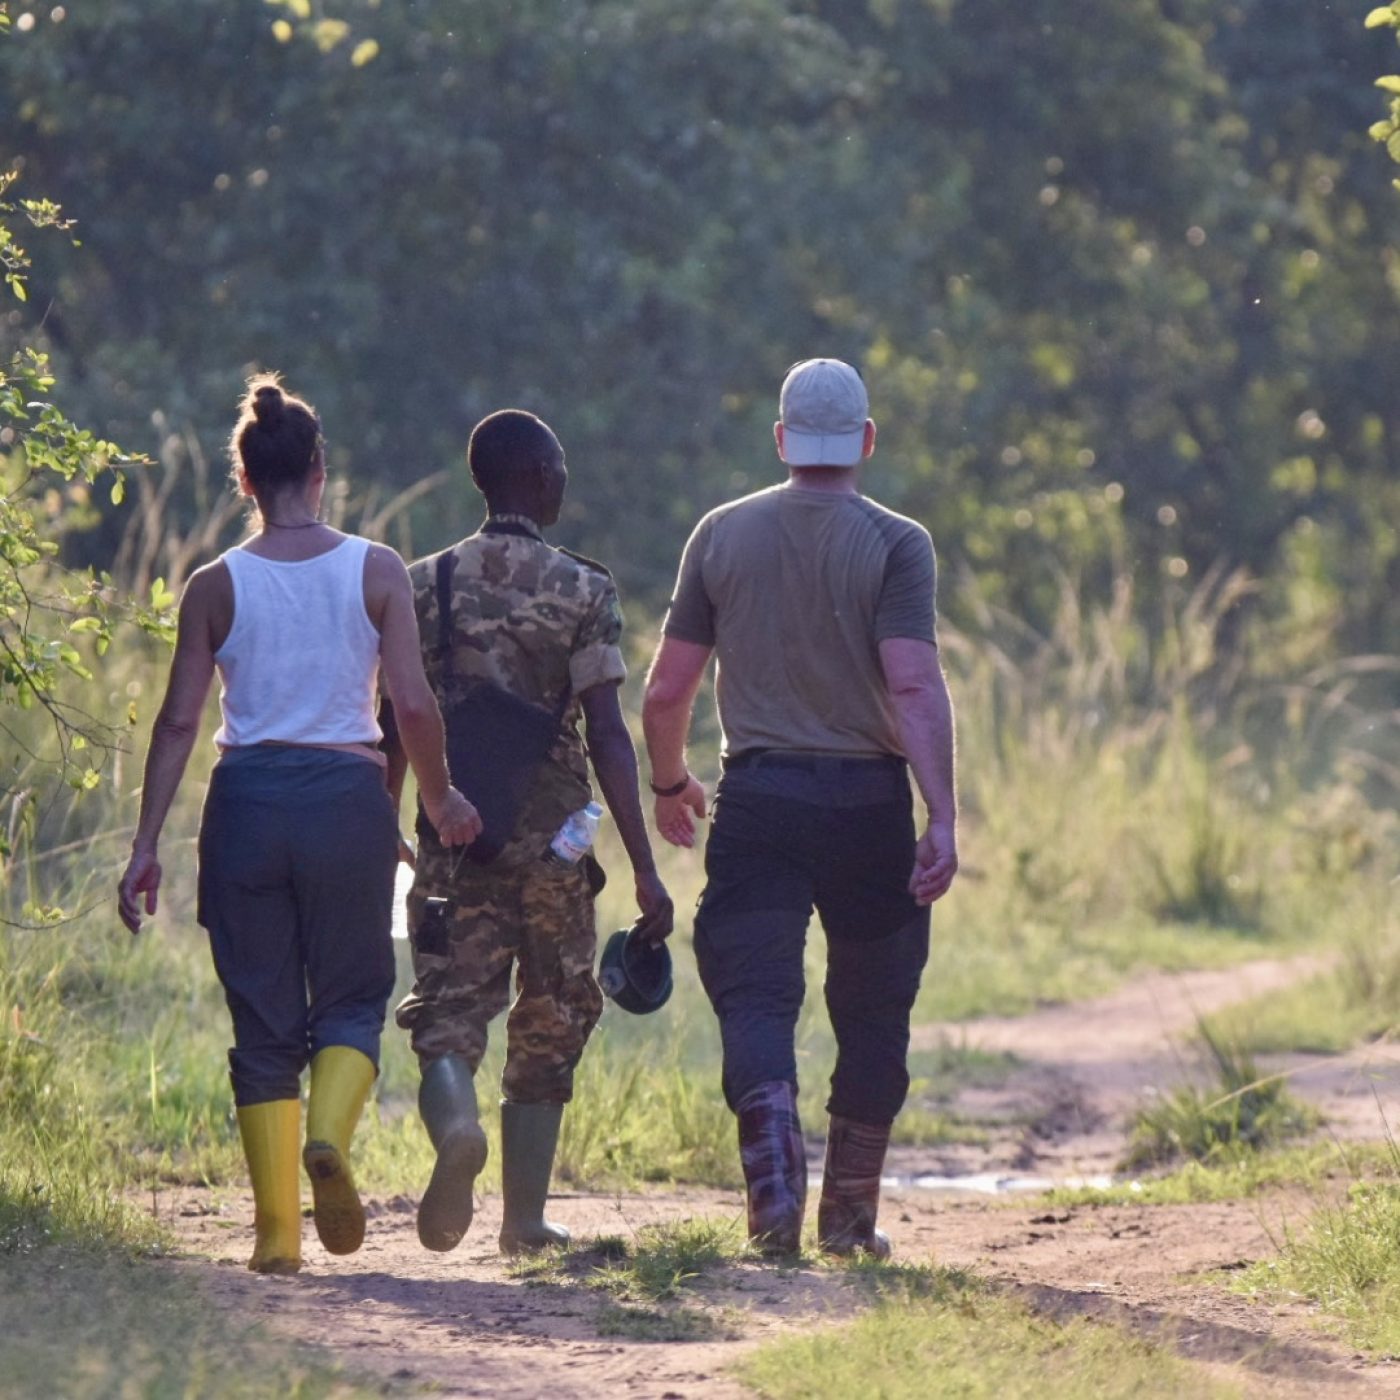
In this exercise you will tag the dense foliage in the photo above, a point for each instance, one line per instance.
(1119, 272)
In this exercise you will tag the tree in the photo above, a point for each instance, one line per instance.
(1110, 266)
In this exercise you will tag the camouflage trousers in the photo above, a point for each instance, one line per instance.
(530, 924)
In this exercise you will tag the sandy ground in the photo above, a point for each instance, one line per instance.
(463, 1325)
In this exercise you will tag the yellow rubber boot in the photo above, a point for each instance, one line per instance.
(340, 1084)
(271, 1134)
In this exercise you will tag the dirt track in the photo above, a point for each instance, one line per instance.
(462, 1324)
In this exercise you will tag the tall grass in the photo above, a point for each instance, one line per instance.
(1134, 797)
(58, 1182)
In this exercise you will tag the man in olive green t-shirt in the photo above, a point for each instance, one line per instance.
(819, 605)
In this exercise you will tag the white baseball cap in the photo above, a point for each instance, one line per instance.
(823, 407)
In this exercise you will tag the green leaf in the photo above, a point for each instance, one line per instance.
(1380, 17)
(118, 490)
(1389, 83)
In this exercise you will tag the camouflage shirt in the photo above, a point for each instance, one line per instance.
(535, 620)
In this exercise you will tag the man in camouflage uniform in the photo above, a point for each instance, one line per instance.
(539, 622)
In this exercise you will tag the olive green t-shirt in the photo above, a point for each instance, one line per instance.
(795, 589)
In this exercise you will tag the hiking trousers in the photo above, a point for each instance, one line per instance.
(793, 832)
(297, 853)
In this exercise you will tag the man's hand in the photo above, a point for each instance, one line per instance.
(676, 816)
(455, 820)
(935, 863)
(142, 877)
(658, 915)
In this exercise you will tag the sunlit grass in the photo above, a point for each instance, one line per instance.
(1345, 1260)
(1356, 1001)
(1235, 1176)
(1015, 967)
(651, 1278)
(939, 1333)
(1242, 1110)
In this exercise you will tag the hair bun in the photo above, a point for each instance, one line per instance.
(268, 405)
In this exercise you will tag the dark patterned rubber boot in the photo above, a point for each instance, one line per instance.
(774, 1159)
(855, 1161)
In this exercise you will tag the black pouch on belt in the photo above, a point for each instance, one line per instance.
(495, 740)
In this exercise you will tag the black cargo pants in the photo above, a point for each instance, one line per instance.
(792, 832)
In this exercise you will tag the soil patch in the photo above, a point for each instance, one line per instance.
(1085, 1066)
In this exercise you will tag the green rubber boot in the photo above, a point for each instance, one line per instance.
(447, 1103)
(529, 1135)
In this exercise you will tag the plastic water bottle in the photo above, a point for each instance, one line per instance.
(573, 840)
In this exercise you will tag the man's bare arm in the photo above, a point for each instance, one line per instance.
(924, 711)
(615, 764)
(672, 684)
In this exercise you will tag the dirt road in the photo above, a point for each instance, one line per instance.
(462, 1324)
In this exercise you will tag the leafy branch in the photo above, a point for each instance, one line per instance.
(49, 465)
(1387, 130)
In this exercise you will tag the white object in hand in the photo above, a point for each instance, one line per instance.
(573, 839)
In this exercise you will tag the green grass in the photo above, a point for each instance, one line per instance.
(1242, 1111)
(1356, 1001)
(935, 1333)
(89, 1324)
(1033, 961)
(648, 1278)
(664, 1259)
(952, 1065)
(661, 1325)
(923, 1127)
(1236, 1176)
(1346, 1261)
(656, 1265)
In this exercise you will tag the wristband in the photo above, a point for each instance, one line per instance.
(675, 791)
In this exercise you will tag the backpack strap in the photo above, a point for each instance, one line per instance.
(446, 562)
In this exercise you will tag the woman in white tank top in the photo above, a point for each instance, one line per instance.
(298, 841)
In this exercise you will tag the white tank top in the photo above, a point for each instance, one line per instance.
(300, 664)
